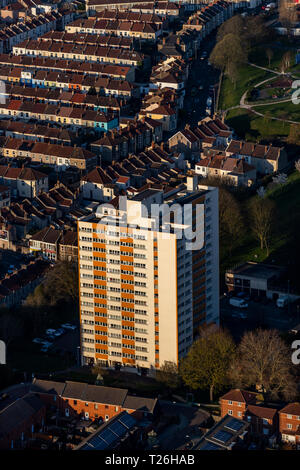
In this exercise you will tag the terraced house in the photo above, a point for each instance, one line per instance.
(23, 182)
(69, 116)
(58, 156)
(141, 30)
(50, 64)
(80, 52)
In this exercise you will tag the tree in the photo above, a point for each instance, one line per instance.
(297, 165)
(207, 362)
(285, 61)
(287, 14)
(232, 73)
(269, 54)
(255, 31)
(234, 25)
(61, 282)
(262, 212)
(168, 375)
(230, 219)
(263, 361)
(100, 371)
(227, 50)
(294, 134)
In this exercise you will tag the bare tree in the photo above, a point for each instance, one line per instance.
(263, 361)
(287, 14)
(262, 212)
(285, 62)
(232, 73)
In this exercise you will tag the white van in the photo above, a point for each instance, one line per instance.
(282, 301)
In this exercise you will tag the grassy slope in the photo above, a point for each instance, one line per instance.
(248, 76)
(254, 128)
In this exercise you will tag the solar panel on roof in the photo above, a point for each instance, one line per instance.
(118, 428)
(96, 441)
(210, 446)
(234, 424)
(108, 436)
(222, 436)
(127, 420)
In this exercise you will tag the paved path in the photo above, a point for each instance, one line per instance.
(244, 105)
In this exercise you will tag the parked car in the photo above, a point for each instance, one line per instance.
(282, 301)
(50, 331)
(69, 326)
(59, 332)
(236, 302)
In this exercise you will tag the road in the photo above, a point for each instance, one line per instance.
(201, 74)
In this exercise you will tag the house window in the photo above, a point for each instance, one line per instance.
(239, 414)
(229, 402)
(290, 416)
(106, 417)
(289, 426)
(239, 403)
(86, 404)
(75, 402)
(230, 412)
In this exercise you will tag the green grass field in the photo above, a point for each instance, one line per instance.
(248, 76)
(287, 110)
(254, 128)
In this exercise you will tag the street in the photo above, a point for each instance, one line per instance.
(201, 74)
